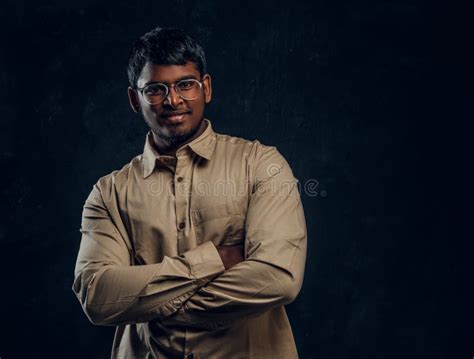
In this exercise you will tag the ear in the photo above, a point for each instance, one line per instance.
(207, 86)
(133, 98)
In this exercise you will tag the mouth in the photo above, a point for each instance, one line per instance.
(175, 117)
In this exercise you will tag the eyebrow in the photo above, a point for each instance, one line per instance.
(185, 77)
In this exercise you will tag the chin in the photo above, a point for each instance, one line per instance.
(182, 128)
(176, 134)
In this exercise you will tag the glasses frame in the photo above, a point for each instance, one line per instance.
(167, 87)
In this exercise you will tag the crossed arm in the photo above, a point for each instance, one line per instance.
(207, 286)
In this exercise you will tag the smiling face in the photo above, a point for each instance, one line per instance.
(175, 121)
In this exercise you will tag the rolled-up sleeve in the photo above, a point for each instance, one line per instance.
(275, 253)
(112, 291)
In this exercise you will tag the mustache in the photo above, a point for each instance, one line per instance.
(174, 113)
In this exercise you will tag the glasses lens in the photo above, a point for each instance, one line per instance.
(189, 89)
(154, 93)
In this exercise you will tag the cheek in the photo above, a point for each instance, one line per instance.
(151, 111)
(150, 115)
(198, 106)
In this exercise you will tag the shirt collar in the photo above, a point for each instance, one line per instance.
(203, 146)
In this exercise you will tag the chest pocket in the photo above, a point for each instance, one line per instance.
(223, 224)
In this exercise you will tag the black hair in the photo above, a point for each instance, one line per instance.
(164, 46)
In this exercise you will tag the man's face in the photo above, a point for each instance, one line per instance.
(175, 120)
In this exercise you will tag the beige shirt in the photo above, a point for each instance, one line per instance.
(148, 262)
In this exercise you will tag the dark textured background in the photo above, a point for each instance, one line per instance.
(361, 96)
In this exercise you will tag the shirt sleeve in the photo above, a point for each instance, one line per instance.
(275, 246)
(112, 291)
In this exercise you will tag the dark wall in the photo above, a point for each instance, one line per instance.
(356, 95)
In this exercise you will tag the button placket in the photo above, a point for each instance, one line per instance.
(182, 202)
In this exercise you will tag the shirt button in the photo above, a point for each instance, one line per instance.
(180, 179)
(181, 225)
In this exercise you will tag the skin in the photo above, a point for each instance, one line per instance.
(231, 255)
(168, 136)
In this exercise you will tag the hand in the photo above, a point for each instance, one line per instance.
(231, 255)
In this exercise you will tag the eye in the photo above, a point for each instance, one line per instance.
(155, 90)
(186, 85)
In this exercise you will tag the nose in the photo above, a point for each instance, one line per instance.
(172, 98)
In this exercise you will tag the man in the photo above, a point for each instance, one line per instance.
(193, 248)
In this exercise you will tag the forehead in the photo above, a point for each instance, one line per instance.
(166, 73)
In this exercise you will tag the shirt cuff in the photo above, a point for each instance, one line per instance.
(205, 262)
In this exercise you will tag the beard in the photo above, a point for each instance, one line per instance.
(174, 136)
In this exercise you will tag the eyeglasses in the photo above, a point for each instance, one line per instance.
(156, 93)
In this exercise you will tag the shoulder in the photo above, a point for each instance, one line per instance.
(264, 161)
(253, 150)
(116, 180)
